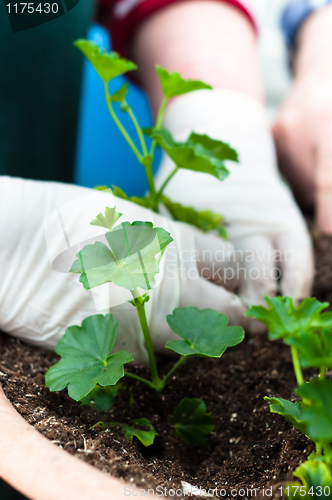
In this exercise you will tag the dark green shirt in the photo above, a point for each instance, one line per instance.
(40, 80)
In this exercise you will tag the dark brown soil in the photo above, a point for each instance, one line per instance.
(250, 447)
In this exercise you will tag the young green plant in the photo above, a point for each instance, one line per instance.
(199, 153)
(308, 332)
(88, 363)
(130, 260)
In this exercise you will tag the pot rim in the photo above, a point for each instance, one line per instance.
(40, 470)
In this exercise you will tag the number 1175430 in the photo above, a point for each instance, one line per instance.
(32, 7)
(317, 491)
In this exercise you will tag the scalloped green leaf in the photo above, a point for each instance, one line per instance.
(317, 408)
(218, 149)
(205, 220)
(108, 220)
(199, 153)
(86, 358)
(102, 398)
(204, 332)
(315, 476)
(108, 65)
(173, 84)
(129, 261)
(142, 429)
(192, 423)
(289, 410)
(285, 321)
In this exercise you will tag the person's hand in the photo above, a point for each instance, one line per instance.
(265, 225)
(43, 225)
(303, 129)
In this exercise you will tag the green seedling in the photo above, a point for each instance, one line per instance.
(142, 429)
(316, 481)
(88, 366)
(130, 260)
(192, 423)
(199, 153)
(308, 332)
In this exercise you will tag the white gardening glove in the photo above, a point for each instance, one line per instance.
(264, 223)
(42, 227)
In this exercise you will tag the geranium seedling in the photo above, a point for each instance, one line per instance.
(141, 428)
(308, 332)
(130, 259)
(192, 423)
(199, 153)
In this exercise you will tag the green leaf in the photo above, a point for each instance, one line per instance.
(289, 410)
(108, 220)
(102, 398)
(284, 320)
(192, 423)
(205, 332)
(86, 358)
(143, 202)
(108, 65)
(128, 239)
(218, 149)
(120, 95)
(173, 84)
(203, 219)
(145, 436)
(129, 261)
(315, 476)
(315, 349)
(198, 153)
(317, 408)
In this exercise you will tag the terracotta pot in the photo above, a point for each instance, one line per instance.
(41, 471)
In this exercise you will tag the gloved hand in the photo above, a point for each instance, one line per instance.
(265, 225)
(42, 227)
(303, 127)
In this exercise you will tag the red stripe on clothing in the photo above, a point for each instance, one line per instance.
(123, 29)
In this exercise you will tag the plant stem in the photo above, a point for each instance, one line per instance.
(138, 130)
(147, 159)
(140, 307)
(322, 372)
(120, 126)
(159, 122)
(297, 366)
(161, 113)
(147, 164)
(139, 379)
(173, 370)
(166, 182)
